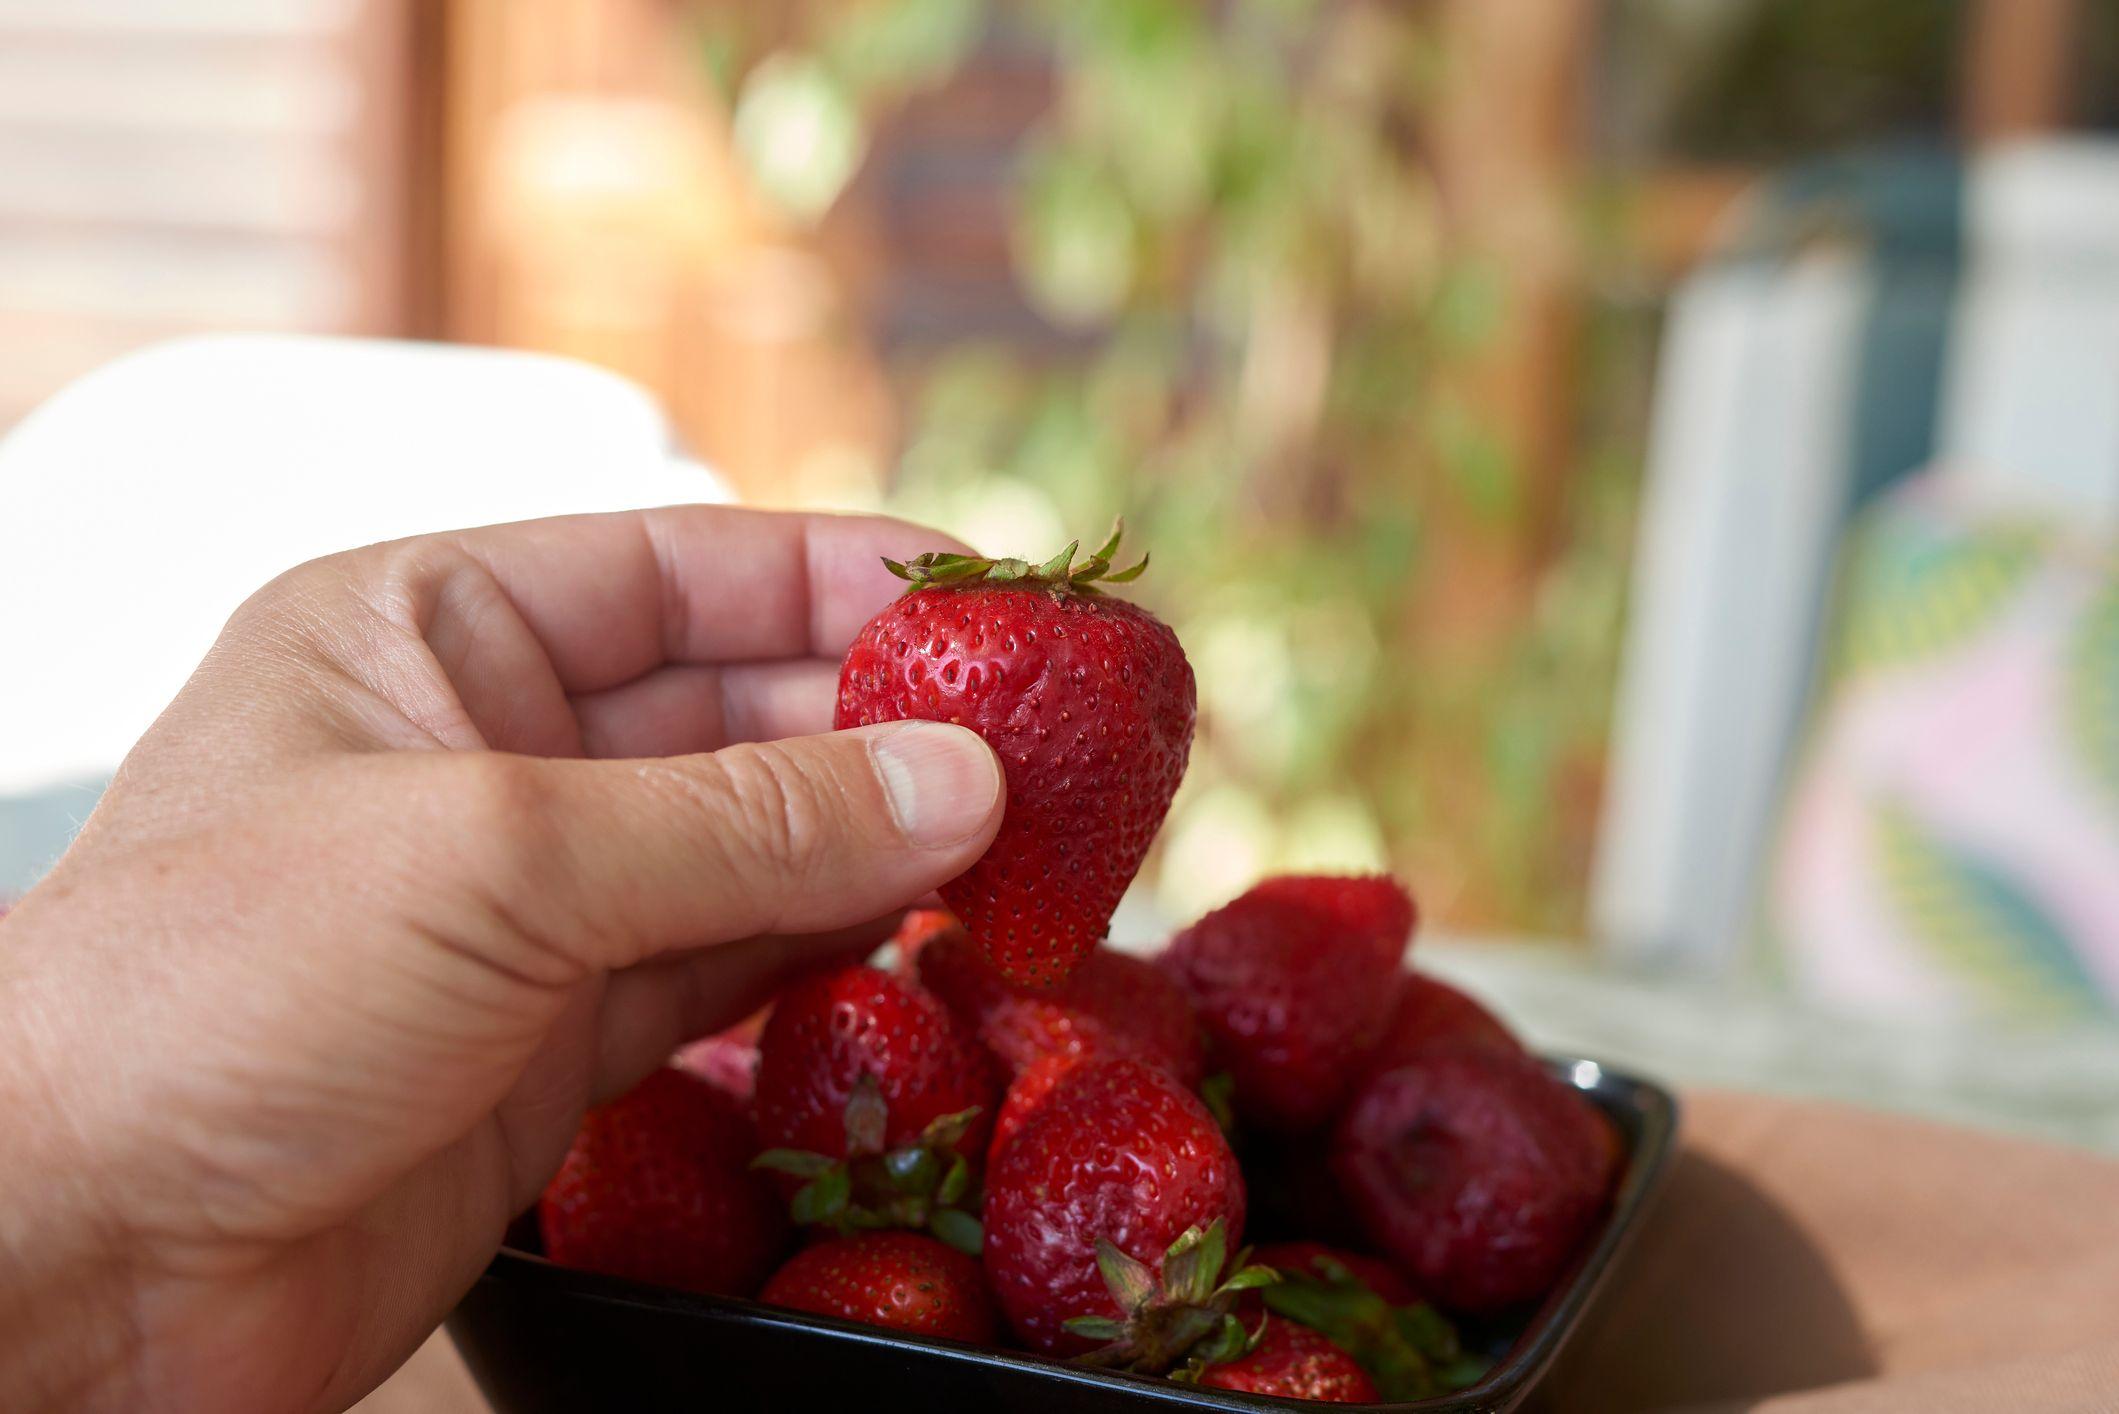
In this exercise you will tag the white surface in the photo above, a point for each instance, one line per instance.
(1741, 517)
(2031, 393)
(142, 504)
(1736, 545)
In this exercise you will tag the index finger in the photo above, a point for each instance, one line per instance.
(611, 597)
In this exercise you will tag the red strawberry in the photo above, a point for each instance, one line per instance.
(1433, 1014)
(1295, 1362)
(829, 1030)
(1027, 1095)
(1476, 1171)
(658, 1188)
(1111, 1002)
(871, 1091)
(1293, 982)
(1087, 700)
(1123, 1153)
(1315, 1259)
(896, 1279)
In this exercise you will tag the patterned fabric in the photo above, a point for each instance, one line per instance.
(1952, 845)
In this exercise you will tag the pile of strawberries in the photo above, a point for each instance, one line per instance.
(1008, 1133)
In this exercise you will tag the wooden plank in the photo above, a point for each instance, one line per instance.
(2018, 61)
(174, 167)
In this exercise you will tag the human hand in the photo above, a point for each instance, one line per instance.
(446, 840)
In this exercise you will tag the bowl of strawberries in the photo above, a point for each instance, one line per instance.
(1003, 1164)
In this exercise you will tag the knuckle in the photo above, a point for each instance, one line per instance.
(502, 809)
(781, 818)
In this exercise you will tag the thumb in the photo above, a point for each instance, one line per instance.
(798, 836)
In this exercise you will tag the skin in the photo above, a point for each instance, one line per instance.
(446, 840)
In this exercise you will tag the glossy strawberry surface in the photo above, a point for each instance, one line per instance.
(1089, 703)
(831, 1029)
(658, 1187)
(1120, 1150)
(901, 1280)
(1111, 1002)
(1295, 1362)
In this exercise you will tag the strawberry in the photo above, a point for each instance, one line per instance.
(1293, 982)
(1477, 1171)
(896, 1279)
(1027, 1093)
(1111, 1002)
(1109, 1173)
(1432, 1014)
(871, 1091)
(1294, 1362)
(657, 1188)
(1087, 700)
(829, 1030)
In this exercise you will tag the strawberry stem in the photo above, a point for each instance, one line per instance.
(1060, 574)
(924, 1184)
(1180, 1322)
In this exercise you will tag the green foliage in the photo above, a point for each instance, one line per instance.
(1231, 203)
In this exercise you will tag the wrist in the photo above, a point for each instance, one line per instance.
(67, 1336)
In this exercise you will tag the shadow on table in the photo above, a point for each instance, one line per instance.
(1724, 1297)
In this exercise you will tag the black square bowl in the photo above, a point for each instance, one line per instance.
(542, 1338)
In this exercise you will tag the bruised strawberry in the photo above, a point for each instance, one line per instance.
(1122, 1154)
(1112, 1002)
(1432, 1014)
(658, 1188)
(1294, 1362)
(1293, 982)
(1087, 700)
(896, 1279)
(830, 1030)
(1476, 1171)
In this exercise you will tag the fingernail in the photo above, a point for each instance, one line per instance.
(941, 781)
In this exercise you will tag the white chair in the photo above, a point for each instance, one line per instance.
(1973, 322)
(140, 505)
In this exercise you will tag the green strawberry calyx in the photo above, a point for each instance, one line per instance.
(1410, 1352)
(1061, 574)
(1181, 1322)
(924, 1185)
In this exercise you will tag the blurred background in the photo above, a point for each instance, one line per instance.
(1642, 469)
